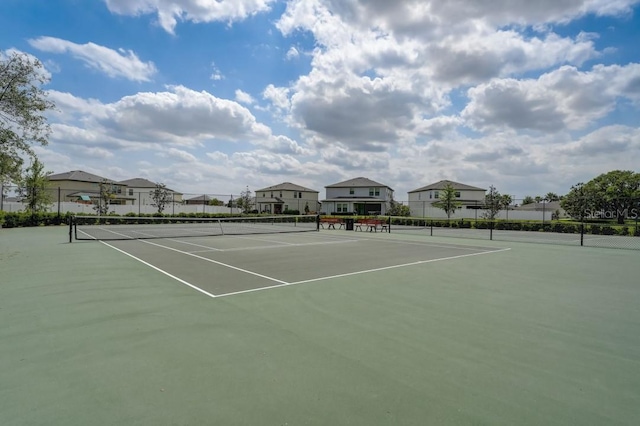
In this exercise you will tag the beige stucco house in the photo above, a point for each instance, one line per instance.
(286, 196)
(420, 200)
(140, 189)
(360, 195)
(80, 186)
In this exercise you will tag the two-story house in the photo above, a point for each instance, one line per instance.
(361, 196)
(77, 185)
(286, 196)
(420, 200)
(140, 189)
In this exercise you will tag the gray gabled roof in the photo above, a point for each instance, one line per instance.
(359, 182)
(78, 175)
(443, 183)
(142, 183)
(548, 206)
(139, 182)
(199, 198)
(286, 186)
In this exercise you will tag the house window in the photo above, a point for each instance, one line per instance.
(351, 191)
(436, 195)
(430, 194)
(280, 194)
(130, 191)
(457, 194)
(286, 207)
(272, 195)
(371, 192)
(377, 192)
(342, 207)
(264, 194)
(299, 194)
(295, 194)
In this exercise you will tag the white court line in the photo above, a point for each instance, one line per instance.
(180, 280)
(323, 243)
(280, 282)
(196, 245)
(360, 272)
(246, 271)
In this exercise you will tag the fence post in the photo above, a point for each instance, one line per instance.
(582, 233)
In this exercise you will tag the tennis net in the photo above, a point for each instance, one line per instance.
(134, 228)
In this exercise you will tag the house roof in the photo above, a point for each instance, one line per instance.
(359, 182)
(443, 183)
(549, 205)
(142, 183)
(199, 198)
(80, 176)
(286, 186)
(274, 200)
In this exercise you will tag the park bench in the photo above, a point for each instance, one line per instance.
(331, 222)
(371, 225)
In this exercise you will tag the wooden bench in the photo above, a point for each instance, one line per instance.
(331, 222)
(371, 225)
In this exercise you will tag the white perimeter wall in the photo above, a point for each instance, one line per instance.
(420, 209)
(79, 208)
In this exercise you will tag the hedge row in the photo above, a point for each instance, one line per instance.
(22, 219)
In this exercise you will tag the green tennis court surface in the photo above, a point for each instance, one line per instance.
(318, 328)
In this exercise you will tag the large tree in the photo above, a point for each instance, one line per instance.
(33, 187)
(23, 104)
(448, 200)
(609, 195)
(578, 202)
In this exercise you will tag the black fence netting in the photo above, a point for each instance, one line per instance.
(588, 232)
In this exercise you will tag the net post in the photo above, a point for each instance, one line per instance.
(582, 233)
(431, 228)
(70, 228)
(491, 229)
(389, 224)
(317, 222)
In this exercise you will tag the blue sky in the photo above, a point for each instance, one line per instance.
(214, 96)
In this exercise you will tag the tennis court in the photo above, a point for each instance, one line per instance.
(323, 327)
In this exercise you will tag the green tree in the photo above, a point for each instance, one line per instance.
(103, 203)
(245, 202)
(528, 200)
(617, 192)
(552, 196)
(33, 187)
(578, 202)
(398, 209)
(493, 204)
(448, 201)
(161, 197)
(216, 202)
(23, 104)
